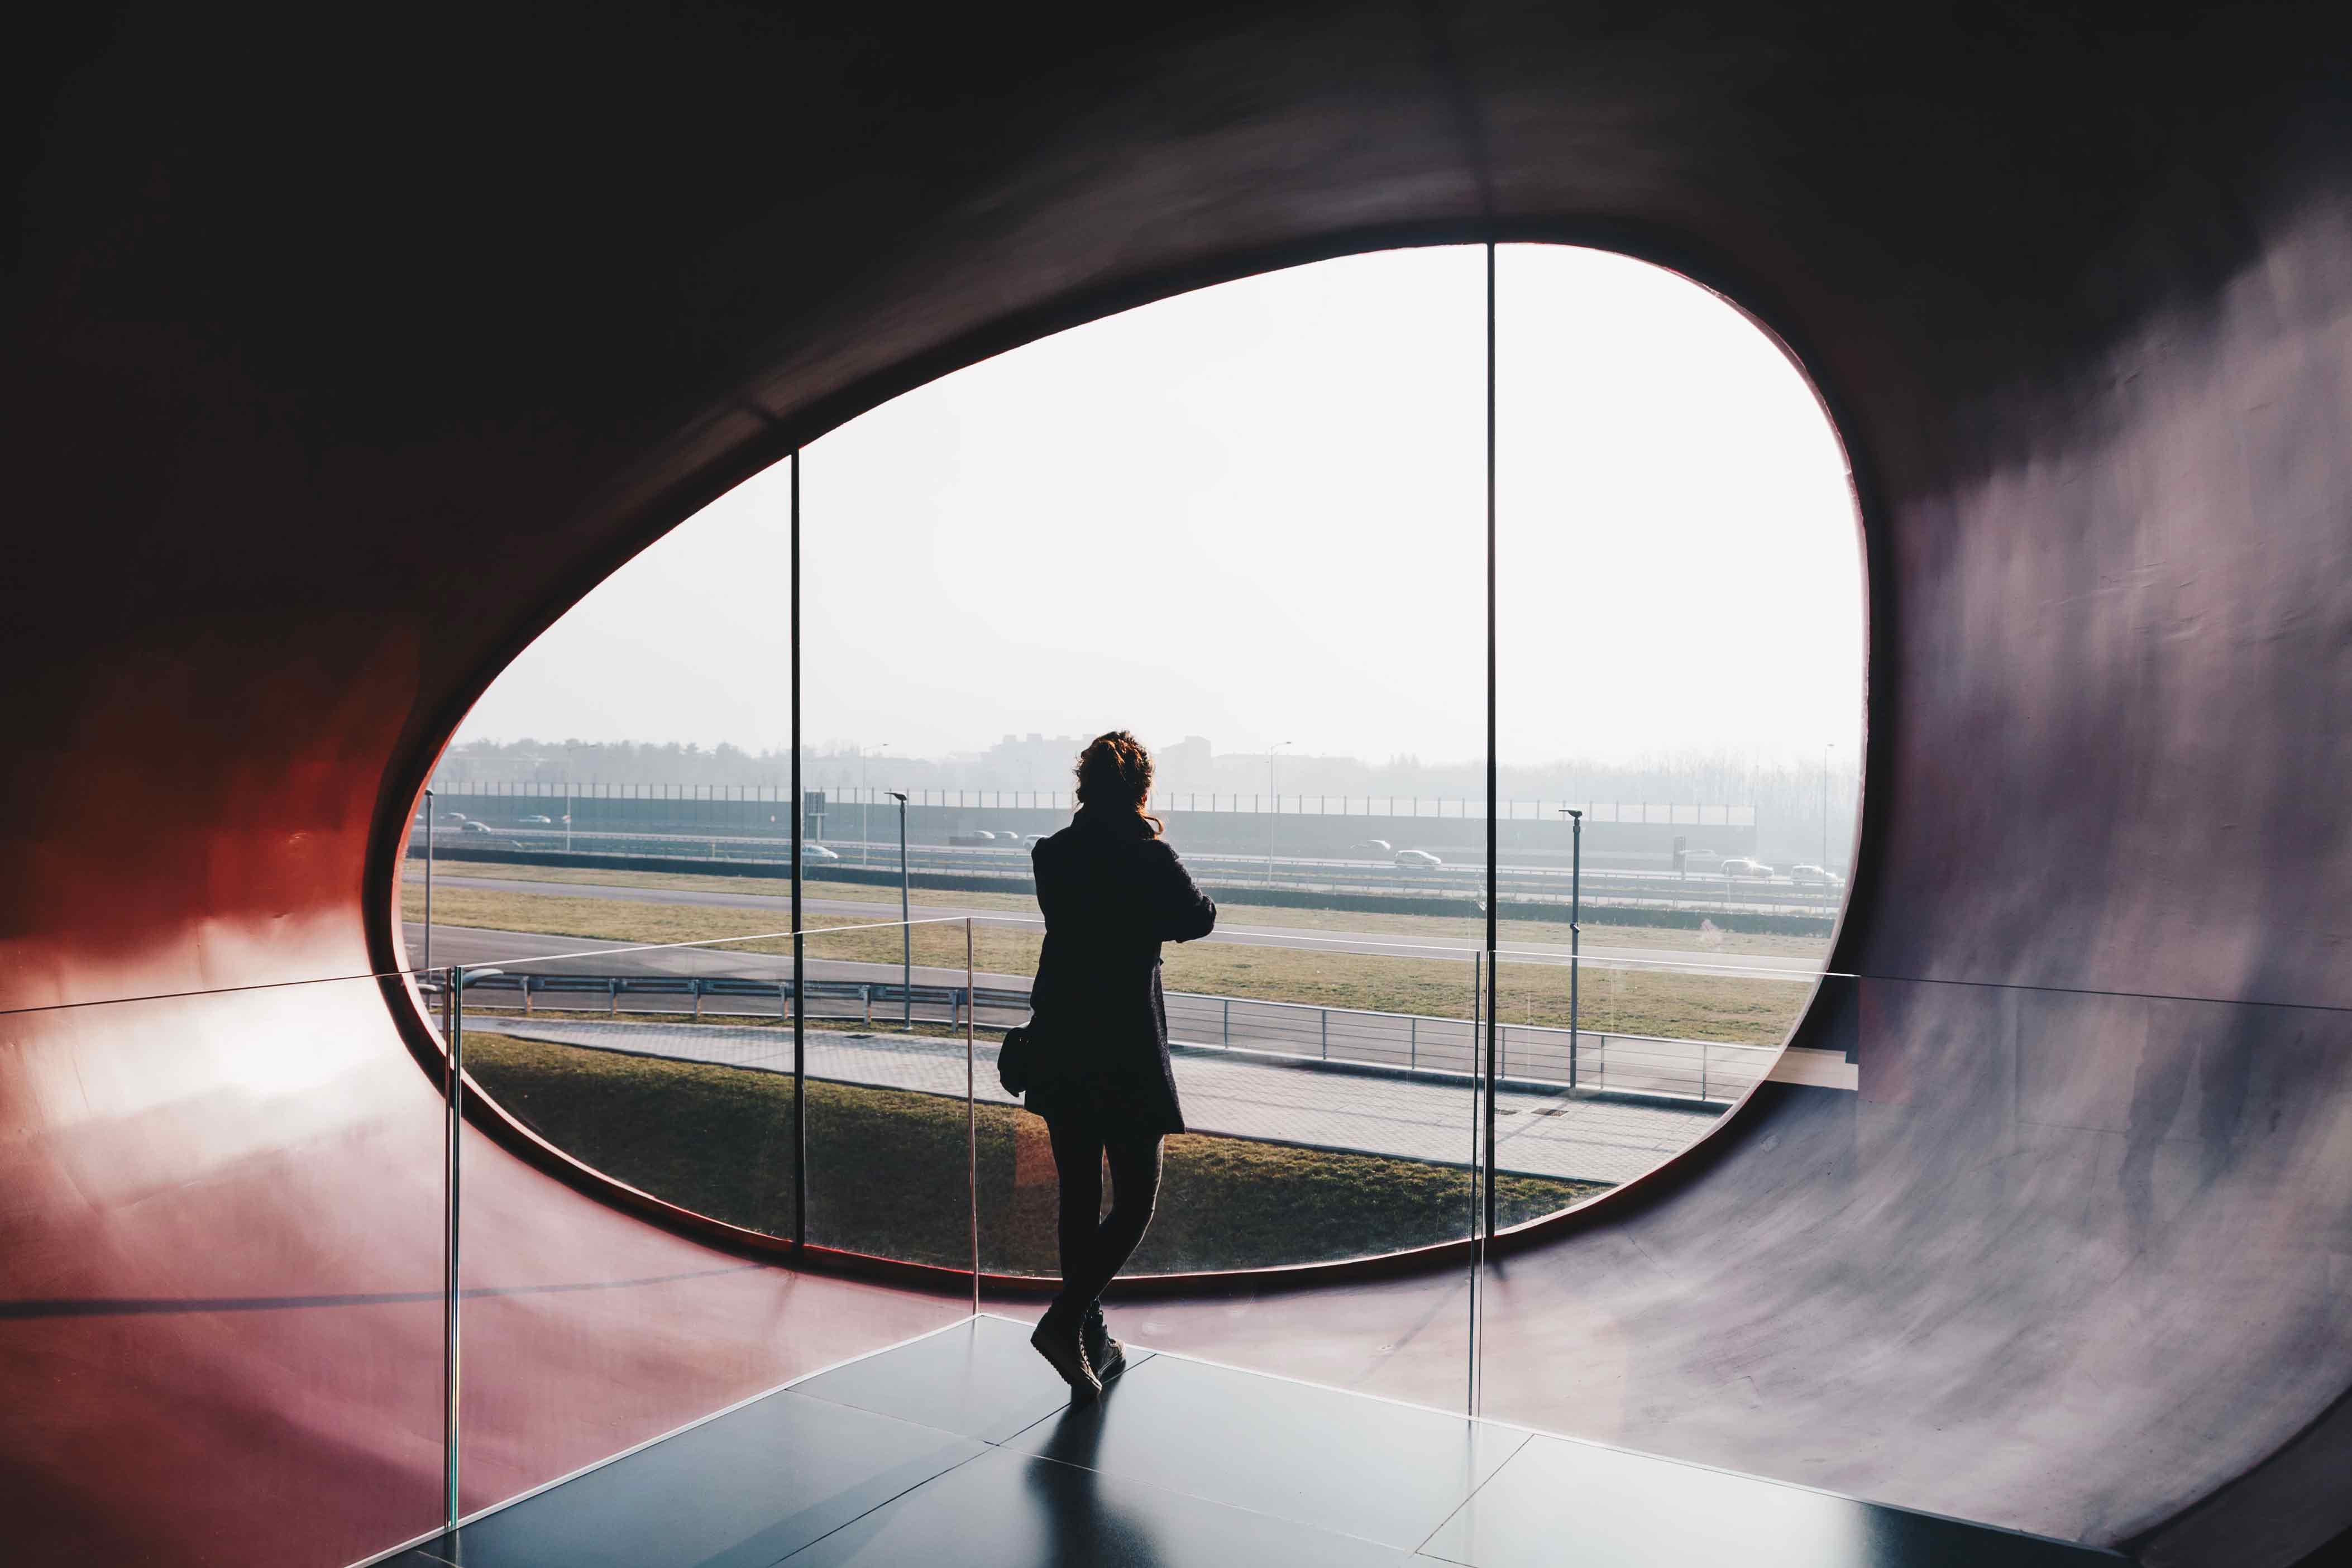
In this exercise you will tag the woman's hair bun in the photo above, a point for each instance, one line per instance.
(1114, 771)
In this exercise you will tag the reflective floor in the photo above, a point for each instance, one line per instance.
(961, 1448)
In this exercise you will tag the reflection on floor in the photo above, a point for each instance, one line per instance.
(961, 1448)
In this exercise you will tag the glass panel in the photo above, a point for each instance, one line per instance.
(1244, 524)
(666, 817)
(1315, 1133)
(223, 1274)
(890, 1136)
(667, 1070)
(1680, 624)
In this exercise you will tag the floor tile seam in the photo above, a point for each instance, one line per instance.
(1534, 1434)
(1166, 1490)
(1471, 1496)
(789, 1386)
(1525, 1437)
(1528, 1434)
(1500, 1426)
(1134, 1364)
(832, 1403)
(903, 1491)
(1376, 1398)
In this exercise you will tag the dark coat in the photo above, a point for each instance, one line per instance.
(1111, 894)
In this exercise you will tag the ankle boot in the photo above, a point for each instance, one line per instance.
(1059, 1339)
(1105, 1355)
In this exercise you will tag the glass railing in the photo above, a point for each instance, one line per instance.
(149, 1137)
(1317, 1131)
(1298, 1148)
(848, 1099)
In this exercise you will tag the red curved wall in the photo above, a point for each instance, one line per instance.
(339, 361)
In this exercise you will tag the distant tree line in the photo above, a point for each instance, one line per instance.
(1788, 796)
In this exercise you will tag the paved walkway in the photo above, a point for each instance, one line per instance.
(1230, 1093)
(1691, 1068)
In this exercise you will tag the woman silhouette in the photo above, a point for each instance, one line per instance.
(1111, 892)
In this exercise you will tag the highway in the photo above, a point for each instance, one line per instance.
(1385, 944)
(1456, 878)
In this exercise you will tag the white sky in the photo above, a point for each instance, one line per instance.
(1257, 512)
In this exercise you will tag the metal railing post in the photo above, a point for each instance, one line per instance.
(906, 924)
(1480, 1164)
(971, 1112)
(1229, 1023)
(1326, 1012)
(1413, 1042)
(1575, 931)
(452, 1036)
(428, 882)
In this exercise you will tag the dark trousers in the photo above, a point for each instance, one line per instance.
(1094, 1252)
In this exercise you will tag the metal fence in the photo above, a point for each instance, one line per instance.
(1244, 803)
(1525, 1053)
(942, 1004)
(1535, 884)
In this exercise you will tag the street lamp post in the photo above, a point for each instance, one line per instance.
(428, 880)
(1276, 814)
(906, 927)
(1827, 747)
(864, 795)
(452, 1146)
(1575, 930)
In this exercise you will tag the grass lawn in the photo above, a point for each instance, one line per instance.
(886, 1168)
(1740, 1009)
(1596, 933)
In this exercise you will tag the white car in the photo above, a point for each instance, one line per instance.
(536, 821)
(817, 852)
(1742, 866)
(1813, 876)
(1372, 847)
(470, 826)
(1417, 859)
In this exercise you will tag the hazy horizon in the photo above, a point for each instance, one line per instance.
(1257, 512)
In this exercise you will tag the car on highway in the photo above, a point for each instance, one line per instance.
(1416, 859)
(1811, 876)
(1372, 847)
(535, 820)
(817, 852)
(470, 826)
(1740, 866)
(972, 840)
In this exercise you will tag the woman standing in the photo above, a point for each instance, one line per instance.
(1111, 892)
